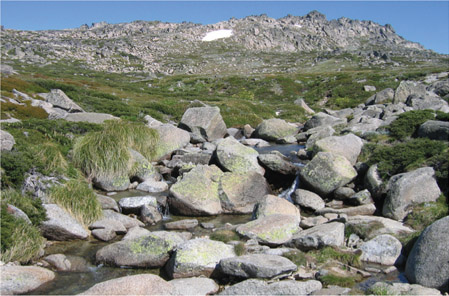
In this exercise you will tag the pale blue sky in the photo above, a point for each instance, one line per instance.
(426, 22)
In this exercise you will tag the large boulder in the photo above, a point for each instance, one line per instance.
(205, 123)
(435, 130)
(383, 249)
(257, 266)
(195, 286)
(6, 141)
(428, 262)
(239, 192)
(321, 119)
(348, 146)
(275, 129)
(326, 172)
(60, 225)
(196, 193)
(90, 117)
(328, 234)
(407, 88)
(109, 183)
(308, 199)
(198, 257)
(23, 279)
(275, 205)
(236, 157)
(59, 99)
(431, 101)
(317, 133)
(134, 204)
(373, 182)
(277, 163)
(140, 284)
(170, 139)
(127, 221)
(369, 227)
(384, 96)
(409, 189)
(261, 287)
(270, 230)
(142, 169)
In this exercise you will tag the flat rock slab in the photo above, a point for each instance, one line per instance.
(328, 234)
(368, 209)
(383, 249)
(260, 287)
(257, 266)
(195, 286)
(141, 284)
(23, 279)
(128, 222)
(90, 117)
(60, 225)
(134, 203)
(182, 224)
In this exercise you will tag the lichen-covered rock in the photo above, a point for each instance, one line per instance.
(59, 99)
(348, 146)
(360, 198)
(237, 158)
(6, 141)
(278, 163)
(407, 88)
(435, 130)
(204, 122)
(196, 193)
(373, 182)
(260, 287)
(317, 133)
(270, 230)
(257, 266)
(369, 227)
(198, 257)
(239, 192)
(150, 214)
(153, 186)
(106, 183)
(22, 279)
(170, 139)
(60, 225)
(383, 249)
(275, 129)
(328, 234)
(128, 222)
(321, 119)
(275, 205)
(90, 117)
(107, 203)
(326, 172)
(142, 169)
(140, 284)
(195, 286)
(308, 199)
(385, 95)
(404, 289)
(409, 189)
(428, 262)
(134, 203)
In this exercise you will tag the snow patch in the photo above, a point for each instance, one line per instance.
(214, 35)
(299, 26)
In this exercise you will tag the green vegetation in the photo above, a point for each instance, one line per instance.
(341, 281)
(329, 253)
(380, 290)
(10, 110)
(408, 123)
(239, 249)
(297, 257)
(425, 214)
(224, 235)
(32, 207)
(363, 230)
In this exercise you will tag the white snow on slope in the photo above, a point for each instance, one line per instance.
(214, 35)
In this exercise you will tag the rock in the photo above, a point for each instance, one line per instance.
(260, 287)
(237, 158)
(142, 169)
(204, 122)
(6, 141)
(60, 225)
(368, 209)
(428, 262)
(112, 224)
(369, 227)
(407, 88)
(309, 222)
(239, 192)
(248, 131)
(326, 172)
(373, 182)
(195, 286)
(23, 279)
(278, 163)
(360, 198)
(90, 117)
(107, 203)
(321, 119)
(270, 230)
(196, 193)
(150, 215)
(136, 232)
(384, 96)
(275, 129)
(256, 266)
(151, 122)
(7, 70)
(404, 289)
(343, 193)
(409, 189)
(197, 257)
(255, 143)
(235, 132)
(348, 146)
(274, 205)
(317, 237)
(17, 213)
(308, 199)
(383, 249)
(207, 225)
(303, 104)
(184, 224)
(107, 183)
(369, 88)
(318, 133)
(104, 234)
(332, 290)
(140, 284)
(62, 262)
(431, 101)
(170, 139)
(435, 130)
(173, 238)
(59, 99)
(147, 251)
(128, 222)
(133, 204)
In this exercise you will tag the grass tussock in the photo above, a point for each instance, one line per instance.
(328, 253)
(426, 213)
(341, 281)
(239, 249)
(297, 257)
(224, 235)
(32, 207)
(51, 157)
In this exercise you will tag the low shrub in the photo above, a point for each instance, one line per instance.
(408, 123)
(11, 110)
(239, 249)
(15, 164)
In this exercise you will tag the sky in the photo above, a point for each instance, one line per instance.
(426, 22)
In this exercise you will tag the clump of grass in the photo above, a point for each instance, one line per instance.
(297, 257)
(363, 230)
(426, 213)
(32, 207)
(377, 290)
(341, 281)
(51, 157)
(329, 253)
(77, 198)
(106, 153)
(224, 235)
(239, 249)
(407, 123)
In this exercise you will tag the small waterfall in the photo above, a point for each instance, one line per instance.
(165, 211)
(287, 194)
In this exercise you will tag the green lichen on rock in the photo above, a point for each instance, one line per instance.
(203, 252)
(237, 158)
(150, 245)
(275, 129)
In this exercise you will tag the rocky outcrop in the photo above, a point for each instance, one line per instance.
(60, 225)
(205, 123)
(23, 279)
(59, 99)
(407, 88)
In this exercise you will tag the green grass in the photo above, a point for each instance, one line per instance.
(239, 249)
(377, 291)
(224, 235)
(297, 257)
(32, 207)
(329, 253)
(10, 110)
(341, 281)
(426, 213)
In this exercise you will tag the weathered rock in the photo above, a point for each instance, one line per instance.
(237, 158)
(112, 224)
(195, 286)
(142, 169)
(239, 192)
(435, 130)
(274, 205)
(278, 163)
(204, 122)
(317, 133)
(170, 139)
(128, 222)
(343, 193)
(309, 222)
(328, 234)
(326, 172)
(321, 119)
(7, 69)
(60, 225)
(144, 251)
(385, 95)
(369, 227)
(260, 287)
(275, 129)
(151, 122)
(133, 204)
(107, 203)
(62, 262)
(409, 189)
(407, 88)
(150, 214)
(6, 141)
(360, 198)
(18, 213)
(404, 289)
(369, 88)
(431, 101)
(348, 146)
(136, 232)
(257, 266)
(59, 99)
(368, 209)
(152, 186)
(255, 143)
(303, 104)
(428, 262)
(198, 257)
(197, 192)
(90, 117)
(104, 234)
(173, 238)
(184, 224)
(141, 284)
(270, 230)
(373, 182)
(23, 279)
(107, 183)
(308, 199)
(383, 249)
